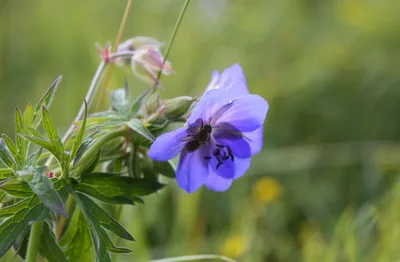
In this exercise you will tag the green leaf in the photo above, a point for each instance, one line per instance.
(21, 144)
(20, 216)
(5, 155)
(43, 187)
(51, 132)
(34, 133)
(97, 219)
(167, 168)
(28, 116)
(82, 149)
(43, 143)
(120, 101)
(91, 165)
(5, 173)
(116, 189)
(47, 98)
(105, 220)
(76, 240)
(138, 103)
(11, 146)
(137, 126)
(17, 188)
(49, 247)
(20, 246)
(79, 138)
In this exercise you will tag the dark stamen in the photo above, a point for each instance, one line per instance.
(219, 162)
(225, 157)
(207, 157)
(216, 152)
(230, 153)
(219, 146)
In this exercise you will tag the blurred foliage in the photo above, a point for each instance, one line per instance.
(330, 71)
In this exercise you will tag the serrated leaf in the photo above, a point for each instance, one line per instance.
(96, 219)
(166, 168)
(76, 240)
(28, 116)
(44, 188)
(5, 155)
(79, 137)
(137, 126)
(105, 220)
(51, 132)
(12, 227)
(47, 98)
(116, 189)
(17, 188)
(49, 247)
(11, 146)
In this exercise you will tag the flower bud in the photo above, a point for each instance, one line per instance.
(136, 43)
(177, 107)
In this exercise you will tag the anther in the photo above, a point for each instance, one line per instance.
(207, 157)
(230, 153)
(216, 152)
(219, 146)
(219, 162)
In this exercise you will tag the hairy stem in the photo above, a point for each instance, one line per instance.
(89, 99)
(117, 41)
(34, 242)
(172, 38)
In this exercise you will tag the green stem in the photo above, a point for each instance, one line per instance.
(101, 141)
(172, 38)
(34, 242)
(89, 99)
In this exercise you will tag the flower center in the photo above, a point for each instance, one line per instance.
(222, 153)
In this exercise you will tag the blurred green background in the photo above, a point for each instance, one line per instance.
(325, 187)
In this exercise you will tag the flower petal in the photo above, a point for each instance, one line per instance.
(246, 114)
(231, 169)
(207, 106)
(239, 145)
(255, 140)
(213, 82)
(233, 81)
(168, 145)
(192, 171)
(218, 183)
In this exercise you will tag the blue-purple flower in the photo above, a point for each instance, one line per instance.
(224, 130)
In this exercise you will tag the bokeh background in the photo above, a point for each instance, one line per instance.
(324, 188)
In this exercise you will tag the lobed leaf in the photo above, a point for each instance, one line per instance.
(43, 187)
(137, 126)
(17, 188)
(12, 148)
(49, 247)
(20, 216)
(79, 138)
(116, 189)
(28, 116)
(51, 133)
(5, 155)
(48, 97)
(96, 219)
(76, 240)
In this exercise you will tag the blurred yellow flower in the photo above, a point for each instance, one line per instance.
(234, 246)
(266, 189)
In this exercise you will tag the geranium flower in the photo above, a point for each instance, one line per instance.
(222, 134)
